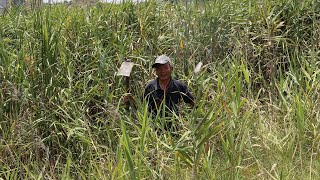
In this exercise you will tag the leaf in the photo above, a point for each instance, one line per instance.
(185, 157)
(127, 151)
(246, 74)
(209, 135)
(306, 74)
(181, 44)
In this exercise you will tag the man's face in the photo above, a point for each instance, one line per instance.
(164, 71)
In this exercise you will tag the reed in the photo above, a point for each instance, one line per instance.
(257, 96)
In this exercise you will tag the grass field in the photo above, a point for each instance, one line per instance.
(257, 117)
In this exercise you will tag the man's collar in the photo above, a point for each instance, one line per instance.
(157, 85)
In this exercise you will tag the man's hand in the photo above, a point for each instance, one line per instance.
(129, 100)
(192, 104)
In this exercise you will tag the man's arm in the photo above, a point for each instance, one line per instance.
(187, 95)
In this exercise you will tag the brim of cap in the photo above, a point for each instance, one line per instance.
(155, 64)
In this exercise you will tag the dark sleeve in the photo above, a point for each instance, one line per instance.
(147, 92)
(148, 96)
(186, 94)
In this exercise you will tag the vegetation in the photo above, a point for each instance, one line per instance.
(257, 96)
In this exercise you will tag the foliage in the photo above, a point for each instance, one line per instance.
(257, 96)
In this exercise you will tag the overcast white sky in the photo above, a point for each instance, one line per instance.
(115, 1)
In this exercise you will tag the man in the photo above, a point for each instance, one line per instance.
(164, 90)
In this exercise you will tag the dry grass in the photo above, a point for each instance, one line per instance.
(62, 114)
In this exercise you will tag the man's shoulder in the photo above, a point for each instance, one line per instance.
(179, 83)
(151, 85)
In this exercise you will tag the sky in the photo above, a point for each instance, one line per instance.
(115, 1)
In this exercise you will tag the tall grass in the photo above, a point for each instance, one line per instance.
(257, 95)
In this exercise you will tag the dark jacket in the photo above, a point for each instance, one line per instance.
(176, 91)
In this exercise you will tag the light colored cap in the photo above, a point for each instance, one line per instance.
(163, 59)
